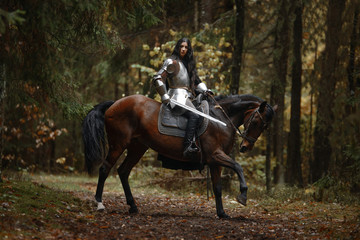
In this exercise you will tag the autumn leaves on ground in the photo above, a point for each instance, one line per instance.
(62, 207)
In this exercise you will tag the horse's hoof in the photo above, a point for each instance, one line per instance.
(133, 210)
(100, 206)
(241, 199)
(223, 216)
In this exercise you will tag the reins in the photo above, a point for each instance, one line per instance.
(237, 130)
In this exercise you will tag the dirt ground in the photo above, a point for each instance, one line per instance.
(71, 214)
(193, 217)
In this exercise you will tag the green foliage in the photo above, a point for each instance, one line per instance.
(326, 182)
(141, 17)
(333, 189)
(352, 153)
(74, 110)
(135, 15)
(254, 168)
(52, 53)
(60, 35)
(345, 162)
(13, 18)
(144, 69)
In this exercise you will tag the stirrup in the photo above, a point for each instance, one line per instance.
(191, 150)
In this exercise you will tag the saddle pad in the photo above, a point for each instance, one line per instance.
(175, 125)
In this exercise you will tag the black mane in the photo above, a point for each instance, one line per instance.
(228, 99)
(242, 97)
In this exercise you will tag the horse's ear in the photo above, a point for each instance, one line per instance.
(262, 106)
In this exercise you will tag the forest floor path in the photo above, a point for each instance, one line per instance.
(194, 217)
(166, 216)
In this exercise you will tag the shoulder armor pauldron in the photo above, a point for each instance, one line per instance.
(170, 65)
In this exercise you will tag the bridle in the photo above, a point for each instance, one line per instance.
(243, 134)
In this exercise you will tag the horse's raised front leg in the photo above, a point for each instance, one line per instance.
(134, 153)
(224, 160)
(216, 181)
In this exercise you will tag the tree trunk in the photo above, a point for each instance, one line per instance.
(294, 172)
(126, 88)
(324, 116)
(353, 45)
(206, 11)
(164, 17)
(238, 46)
(196, 15)
(281, 52)
(52, 156)
(268, 160)
(2, 114)
(116, 89)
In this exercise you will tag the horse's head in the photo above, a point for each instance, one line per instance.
(255, 122)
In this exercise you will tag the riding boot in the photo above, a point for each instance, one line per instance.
(189, 145)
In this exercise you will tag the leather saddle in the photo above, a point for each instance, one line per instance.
(175, 125)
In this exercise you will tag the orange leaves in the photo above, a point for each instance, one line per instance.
(30, 89)
(41, 132)
(306, 35)
(33, 122)
(16, 132)
(46, 132)
(29, 128)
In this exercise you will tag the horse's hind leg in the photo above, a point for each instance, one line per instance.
(104, 170)
(134, 153)
(216, 180)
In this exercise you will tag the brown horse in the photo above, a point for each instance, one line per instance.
(132, 123)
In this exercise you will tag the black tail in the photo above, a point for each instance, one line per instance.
(94, 135)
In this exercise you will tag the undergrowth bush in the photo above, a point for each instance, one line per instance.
(184, 182)
(328, 189)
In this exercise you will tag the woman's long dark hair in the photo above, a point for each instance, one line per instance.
(188, 61)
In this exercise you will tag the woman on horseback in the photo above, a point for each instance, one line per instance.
(179, 75)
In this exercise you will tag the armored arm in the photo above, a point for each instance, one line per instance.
(161, 89)
(201, 88)
(159, 79)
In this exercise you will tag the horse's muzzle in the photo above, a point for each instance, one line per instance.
(243, 149)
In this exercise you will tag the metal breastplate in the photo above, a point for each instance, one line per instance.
(180, 79)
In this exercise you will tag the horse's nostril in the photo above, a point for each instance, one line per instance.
(243, 149)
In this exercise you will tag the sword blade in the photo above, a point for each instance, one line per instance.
(197, 112)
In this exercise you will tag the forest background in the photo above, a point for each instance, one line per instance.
(60, 58)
